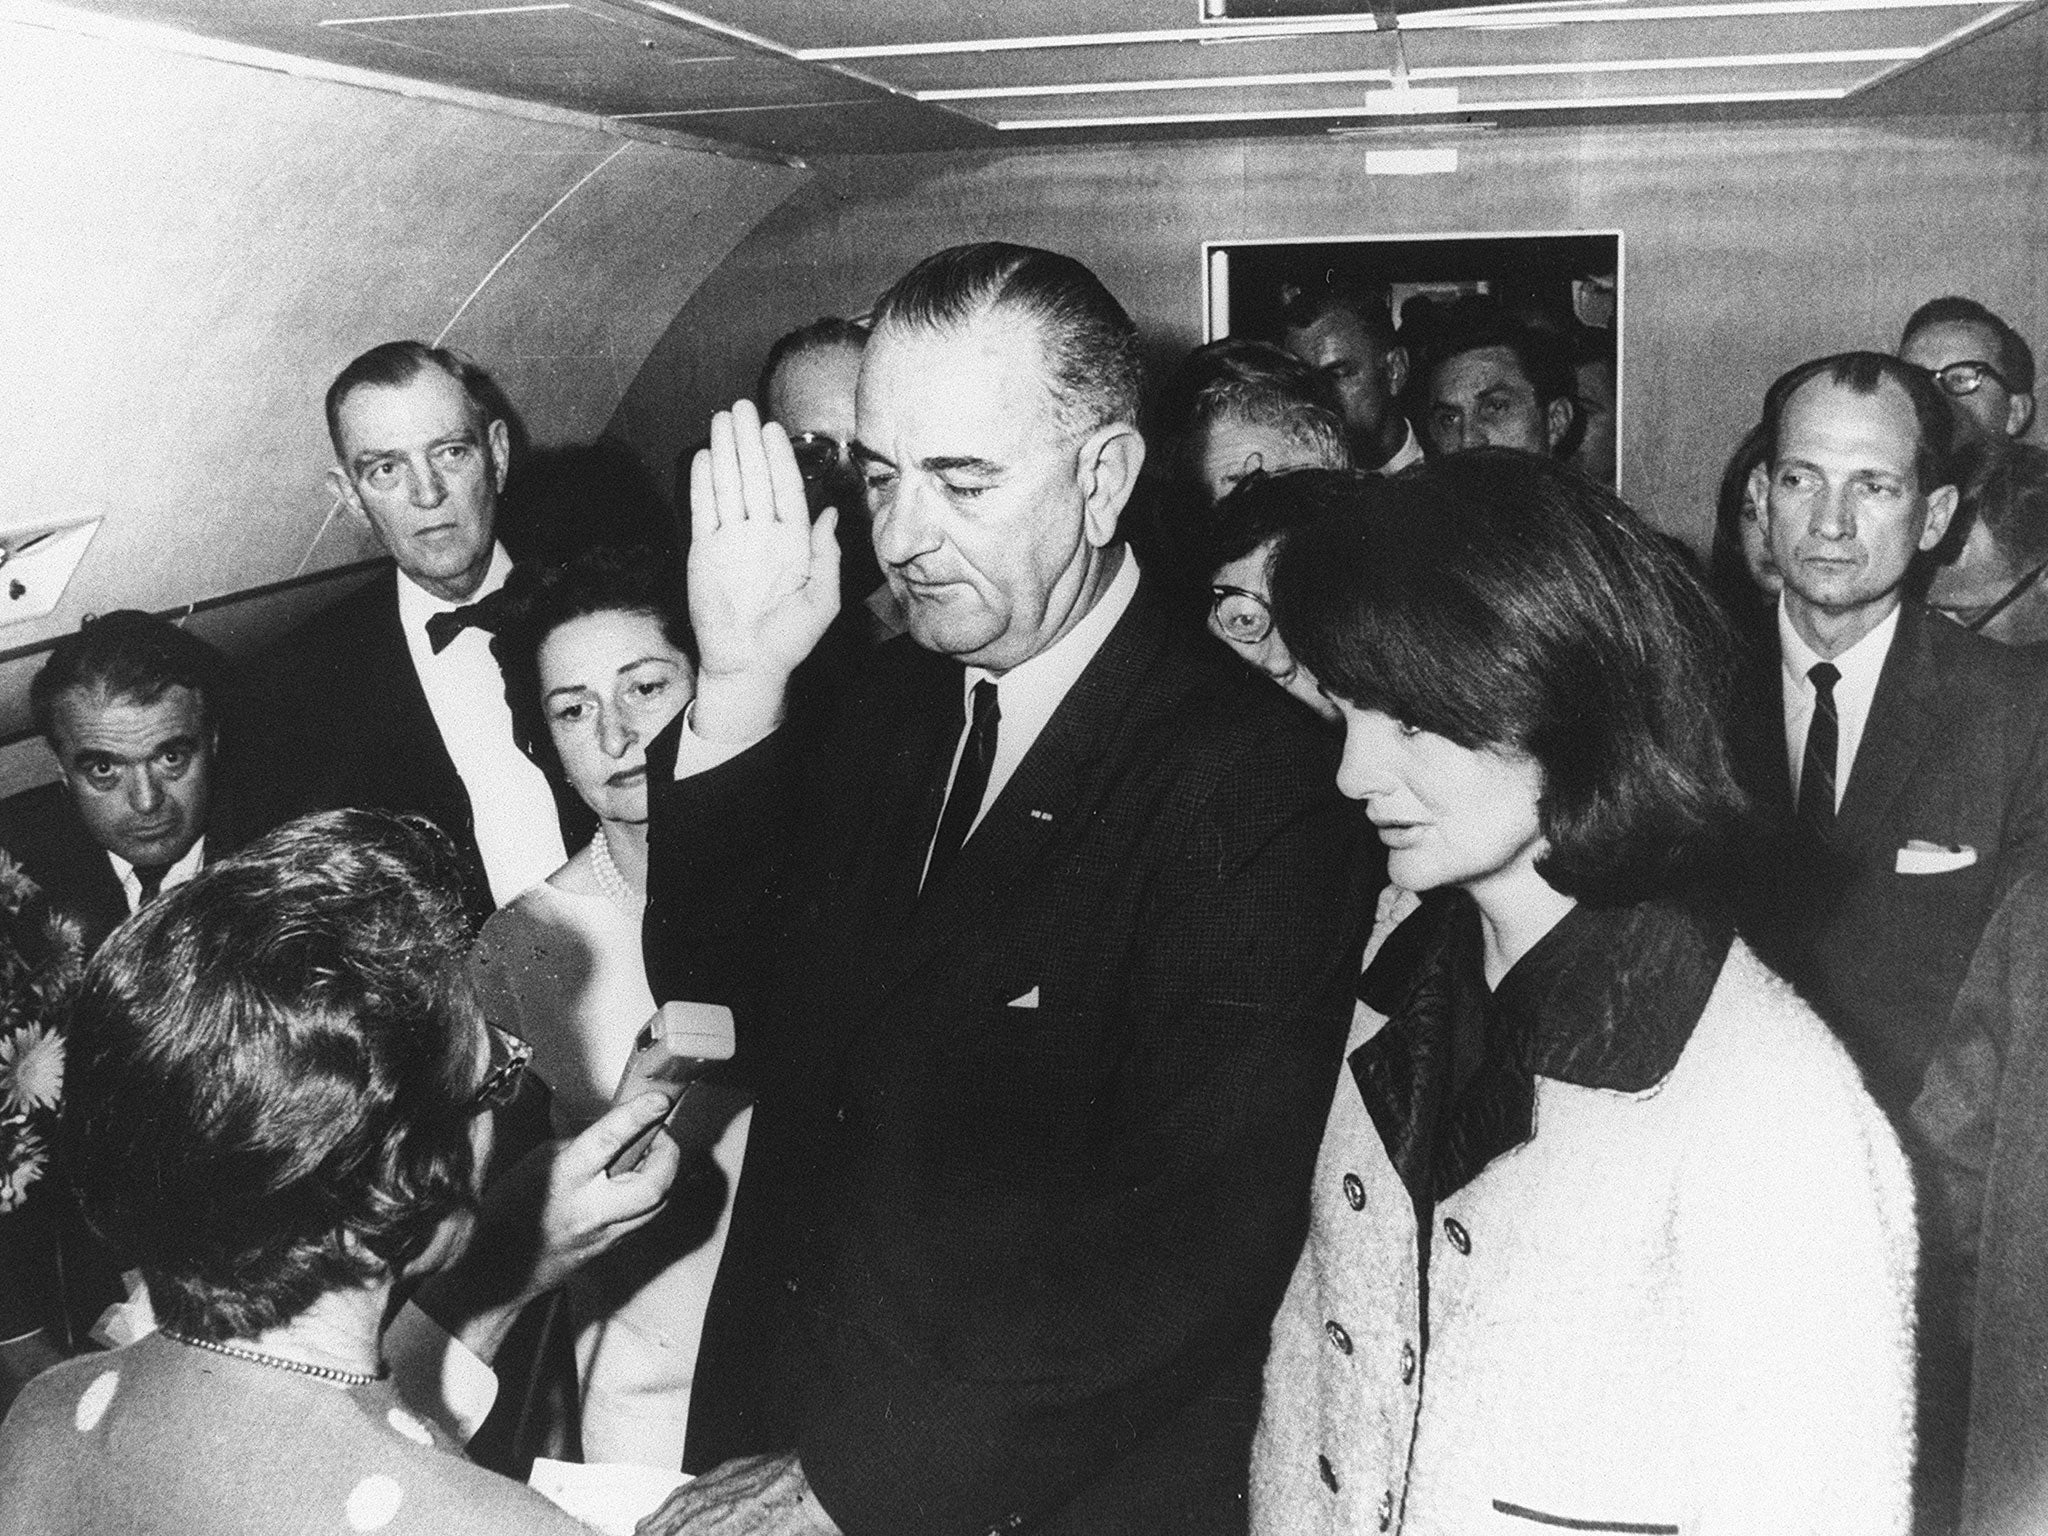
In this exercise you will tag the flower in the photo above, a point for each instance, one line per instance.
(31, 1068)
(20, 1168)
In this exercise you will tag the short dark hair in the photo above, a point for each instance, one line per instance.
(1256, 382)
(1475, 323)
(396, 363)
(540, 600)
(1090, 342)
(1507, 603)
(1370, 304)
(2015, 360)
(1267, 507)
(822, 335)
(1865, 373)
(128, 655)
(1727, 567)
(271, 1069)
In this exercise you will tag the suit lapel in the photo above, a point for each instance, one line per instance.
(1757, 740)
(1904, 714)
(1050, 788)
(409, 722)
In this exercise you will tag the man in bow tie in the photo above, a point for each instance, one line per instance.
(391, 699)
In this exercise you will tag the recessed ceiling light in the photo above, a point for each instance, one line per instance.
(1589, 12)
(1437, 72)
(1306, 114)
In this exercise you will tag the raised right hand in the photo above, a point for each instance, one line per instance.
(764, 579)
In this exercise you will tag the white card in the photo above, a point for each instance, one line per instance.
(610, 1496)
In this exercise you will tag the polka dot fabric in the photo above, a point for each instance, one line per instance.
(161, 1440)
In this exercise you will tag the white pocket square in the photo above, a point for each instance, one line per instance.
(1028, 1000)
(1919, 858)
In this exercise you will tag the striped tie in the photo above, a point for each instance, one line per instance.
(1817, 768)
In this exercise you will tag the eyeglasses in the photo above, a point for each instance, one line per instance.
(1242, 616)
(1967, 377)
(509, 1057)
(817, 454)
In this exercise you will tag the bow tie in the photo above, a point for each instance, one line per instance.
(486, 614)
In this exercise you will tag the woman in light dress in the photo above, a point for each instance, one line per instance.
(597, 660)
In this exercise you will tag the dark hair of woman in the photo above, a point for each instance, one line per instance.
(270, 1072)
(1507, 603)
(596, 580)
(1268, 506)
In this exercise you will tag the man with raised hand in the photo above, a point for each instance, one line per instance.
(1042, 954)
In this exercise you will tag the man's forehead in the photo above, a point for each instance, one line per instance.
(1951, 341)
(1479, 368)
(429, 406)
(989, 370)
(116, 725)
(1332, 334)
(1827, 409)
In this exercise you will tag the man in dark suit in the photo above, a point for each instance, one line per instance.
(1043, 957)
(390, 699)
(1899, 759)
(131, 707)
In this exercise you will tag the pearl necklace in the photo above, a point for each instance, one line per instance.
(278, 1362)
(609, 880)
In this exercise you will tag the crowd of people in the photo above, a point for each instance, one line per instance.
(1565, 1057)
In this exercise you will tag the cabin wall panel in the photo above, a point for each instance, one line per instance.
(192, 247)
(1748, 247)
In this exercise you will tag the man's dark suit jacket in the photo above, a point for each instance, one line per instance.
(342, 721)
(59, 1275)
(1030, 1162)
(43, 832)
(1952, 755)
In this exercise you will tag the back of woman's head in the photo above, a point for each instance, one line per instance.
(270, 1068)
(1508, 604)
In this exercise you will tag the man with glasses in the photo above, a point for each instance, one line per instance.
(1992, 575)
(1242, 535)
(807, 384)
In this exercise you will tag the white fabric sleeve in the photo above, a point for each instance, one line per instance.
(695, 755)
(437, 1375)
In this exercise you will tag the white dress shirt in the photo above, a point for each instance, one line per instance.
(1410, 453)
(517, 829)
(1029, 692)
(1026, 695)
(1854, 689)
(177, 874)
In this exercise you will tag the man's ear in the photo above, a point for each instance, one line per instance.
(2019, 414)
(1557, 421)
(1107, 472)
(1394, 366)
(1941, 507)
(345, 491)
(499, 436)
(1760, 492)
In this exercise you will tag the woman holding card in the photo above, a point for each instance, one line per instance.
(597, 660)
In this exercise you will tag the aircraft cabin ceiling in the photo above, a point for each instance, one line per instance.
(798, 78)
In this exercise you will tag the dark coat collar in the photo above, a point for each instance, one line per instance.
(1606, 999)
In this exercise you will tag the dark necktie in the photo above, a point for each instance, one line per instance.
(1817, 768)
(970, 782)
(151, 878)
(486, 614)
